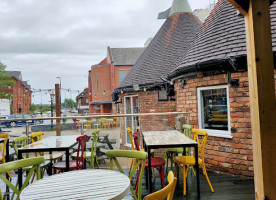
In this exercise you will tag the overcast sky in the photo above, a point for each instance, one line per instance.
(62, 38)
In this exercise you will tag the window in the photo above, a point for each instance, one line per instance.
(213, 110)
(122, 75)
(131, 107)
(97, 83)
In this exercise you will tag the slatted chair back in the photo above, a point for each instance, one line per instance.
(166, 192)
(37, 136)
(198, 133)
(95, 135)
(136, 142)
(3, 146)
(81, 147)
(187, 130)
(10, 166)
(141, 161)
(19, 142)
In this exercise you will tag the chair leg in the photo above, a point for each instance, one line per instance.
(184, 179)
(97, 163)
(92, 163)
(207, 178)
(161, 174)
(167, 165)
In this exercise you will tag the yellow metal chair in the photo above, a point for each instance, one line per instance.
(3, 149)
(104, 123)
(166, 192)
(171, 152)
(189, 161)
(133, 161)
(88, 124)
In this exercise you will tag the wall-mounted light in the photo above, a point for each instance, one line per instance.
(145, 89)
(122, 91)
(183, 83)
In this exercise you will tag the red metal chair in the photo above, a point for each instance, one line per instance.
(156, 162)
(74, 164)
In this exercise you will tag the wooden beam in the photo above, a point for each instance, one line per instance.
(58, 109)
(262, 97)
(241, 6)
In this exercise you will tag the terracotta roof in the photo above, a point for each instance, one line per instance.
(125, 56)
(221, 37)
(165, 50)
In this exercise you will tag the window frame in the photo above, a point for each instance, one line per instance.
(211, 132)
(122, 70)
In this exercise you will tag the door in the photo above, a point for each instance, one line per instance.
(131, 107)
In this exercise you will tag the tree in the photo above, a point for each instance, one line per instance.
(5, 82)
(69, 103)
(33, 108)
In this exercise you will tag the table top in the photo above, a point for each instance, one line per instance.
(163, 138)
(53, 142)
(82, 184)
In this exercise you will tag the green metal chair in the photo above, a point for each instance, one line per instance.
(21, 142)
(141, 161)
(34, 163)
(171, 152)
(91, 155)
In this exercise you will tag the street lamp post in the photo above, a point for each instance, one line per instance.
(52, 95)
(60, 92)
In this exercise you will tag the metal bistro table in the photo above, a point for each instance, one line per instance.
(81, 184)
(168, 139)
(49, 144)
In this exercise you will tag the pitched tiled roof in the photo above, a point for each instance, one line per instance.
(165, 50)
(15, 74)
(221, 37)
(125, 56)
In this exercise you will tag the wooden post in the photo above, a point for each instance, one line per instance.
(262, 97)
(58, 128)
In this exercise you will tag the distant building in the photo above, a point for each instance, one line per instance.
(107, 75)
(145, 88)
(22, 94)
(83, 102)
(202, 14)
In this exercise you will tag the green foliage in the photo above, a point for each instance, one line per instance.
(69, 103)
(5, 82)
(33, 108)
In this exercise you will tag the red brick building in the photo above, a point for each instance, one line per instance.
(210, 80)
(22, 94)
(107, 75)
(83, 102)
(145, 88)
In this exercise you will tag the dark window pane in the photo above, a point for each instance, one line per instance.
(214, 109)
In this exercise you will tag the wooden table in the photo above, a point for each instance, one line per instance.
(49, 144)
(82, 184)
(168, 139)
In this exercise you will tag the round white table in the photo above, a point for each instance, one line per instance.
(81, 184)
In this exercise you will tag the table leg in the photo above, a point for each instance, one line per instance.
(147, 174)
(19, 171)
(108, 142)
(197, 172)
(149, 171)
(67, 160)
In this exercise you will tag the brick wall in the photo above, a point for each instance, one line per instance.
(148, 103)
(22, 98)
(234, 155)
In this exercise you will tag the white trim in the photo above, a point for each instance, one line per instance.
(211, 132)
(132, 121)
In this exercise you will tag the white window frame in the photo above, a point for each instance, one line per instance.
(132, 128)
(211, 132)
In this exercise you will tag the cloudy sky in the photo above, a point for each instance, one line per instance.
(48, 38)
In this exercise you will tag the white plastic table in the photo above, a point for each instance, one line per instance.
(82, 184)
